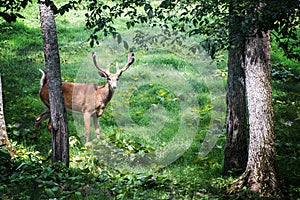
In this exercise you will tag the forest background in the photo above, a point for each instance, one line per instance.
(188, 177)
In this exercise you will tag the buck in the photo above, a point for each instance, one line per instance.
(88, 99)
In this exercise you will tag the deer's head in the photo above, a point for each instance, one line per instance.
(112, 79)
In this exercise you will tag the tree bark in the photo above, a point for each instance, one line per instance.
(261, 174)
(3, 134)
(60, 138)
(236, 150)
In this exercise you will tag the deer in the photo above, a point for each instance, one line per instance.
(85, 98)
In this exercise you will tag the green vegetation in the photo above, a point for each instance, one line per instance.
(92, 175)
(286, 84)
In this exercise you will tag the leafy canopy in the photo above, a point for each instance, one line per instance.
(209, 18)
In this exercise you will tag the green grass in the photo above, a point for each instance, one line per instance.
(286, 97)
(164, 106)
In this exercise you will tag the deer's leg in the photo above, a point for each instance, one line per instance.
(42, 117)
(87, 117)
(96, 125)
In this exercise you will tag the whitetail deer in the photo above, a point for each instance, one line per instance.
(88, 99)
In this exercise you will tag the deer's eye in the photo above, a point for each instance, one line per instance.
(109, 79)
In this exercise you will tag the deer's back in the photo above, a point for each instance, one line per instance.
(78, 97)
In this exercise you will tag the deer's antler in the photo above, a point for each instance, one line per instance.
(103, 72)
(129, 62)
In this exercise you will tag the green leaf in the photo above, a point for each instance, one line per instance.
(125, 45)
(119, 38)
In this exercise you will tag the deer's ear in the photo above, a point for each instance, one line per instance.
(102, 74)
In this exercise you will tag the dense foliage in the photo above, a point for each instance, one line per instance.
(194, 18)
(202, 18)
(10, 10)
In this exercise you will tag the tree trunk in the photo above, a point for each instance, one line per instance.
(260, 175)
(3, 135)
(60, 139)
(236, 148)
(236, 151)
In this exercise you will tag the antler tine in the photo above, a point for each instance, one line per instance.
(129, 62)
(97, 66)
(117, 66)
(108, 68)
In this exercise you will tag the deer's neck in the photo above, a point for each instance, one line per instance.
(109, 92)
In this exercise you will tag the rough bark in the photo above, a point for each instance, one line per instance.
(260, 175)
(236, 151)
(3, 134)
(60, 141)
(236, 148)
